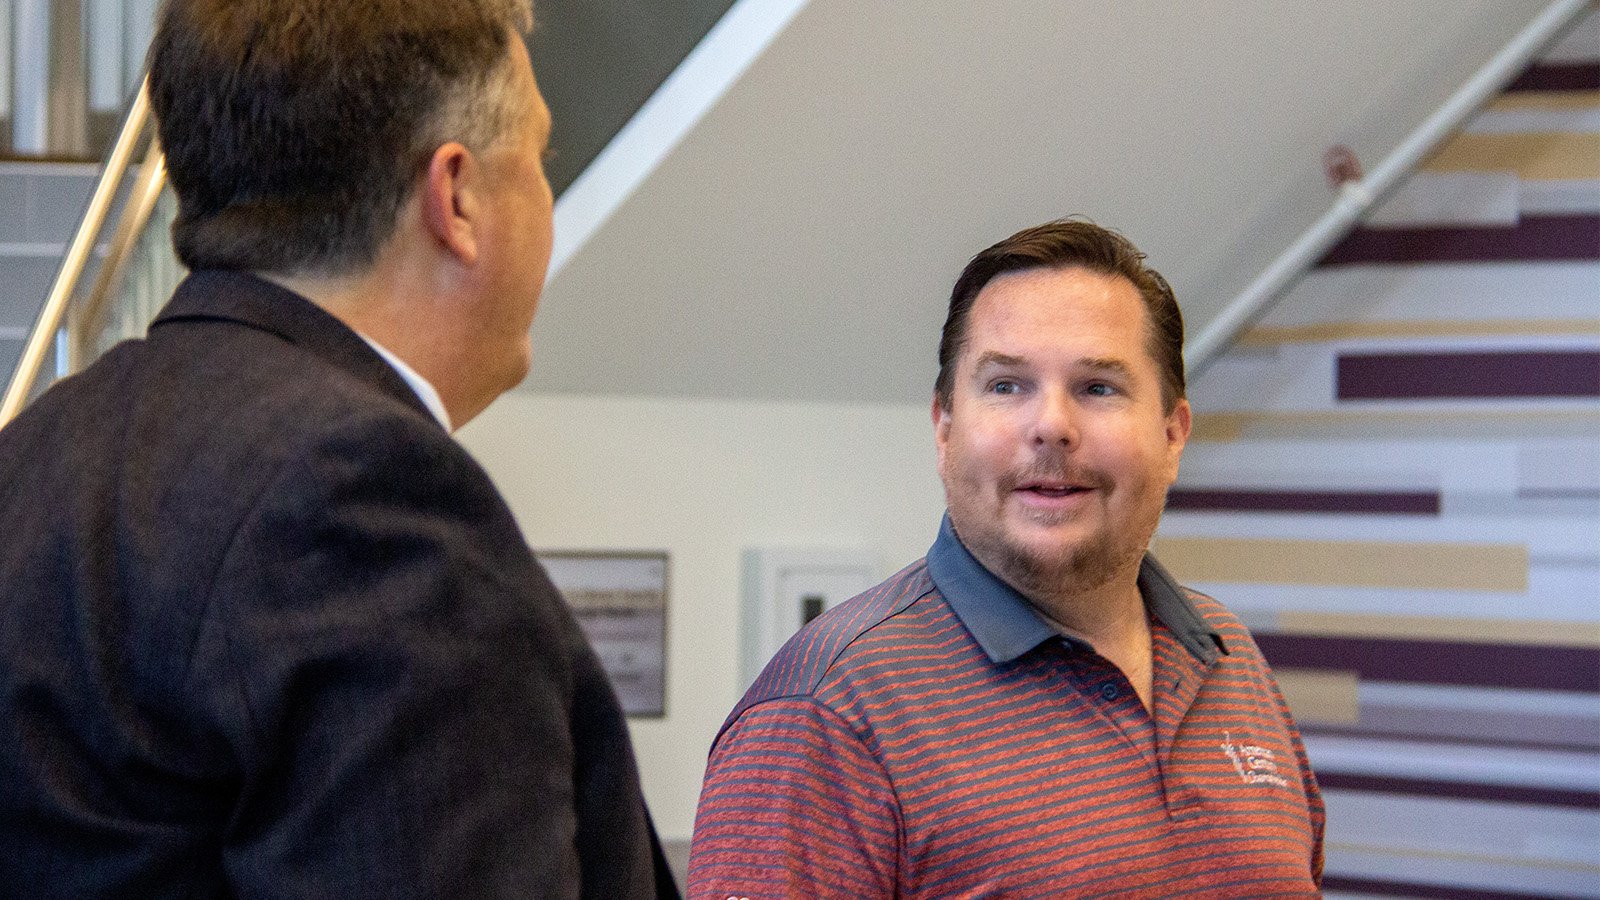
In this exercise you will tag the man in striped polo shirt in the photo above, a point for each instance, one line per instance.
(1036, 709)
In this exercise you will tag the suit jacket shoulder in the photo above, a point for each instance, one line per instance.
(278, 628)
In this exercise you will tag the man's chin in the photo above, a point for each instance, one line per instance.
(517, 368)
(1052, 560)
(1056, 537)
(1043, 560)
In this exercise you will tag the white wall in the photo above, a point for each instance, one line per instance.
(704, 480)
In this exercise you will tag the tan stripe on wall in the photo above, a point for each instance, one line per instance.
(1219, 427)
(1431, 628)
(1323, 696)
(1410, 566)
(1546, 101)
(1225, 427)
(1535, 156)
(1335, 331)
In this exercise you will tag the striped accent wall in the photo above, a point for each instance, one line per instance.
(1394, 480)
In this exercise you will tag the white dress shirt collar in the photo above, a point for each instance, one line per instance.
(425, 391)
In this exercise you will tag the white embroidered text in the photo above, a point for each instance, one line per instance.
(1256, 765)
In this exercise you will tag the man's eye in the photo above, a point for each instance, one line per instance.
(1004, 387)
(1100, 389)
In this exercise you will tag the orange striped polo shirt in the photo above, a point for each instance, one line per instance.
(934, 737)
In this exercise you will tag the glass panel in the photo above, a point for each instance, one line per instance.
(149, 277)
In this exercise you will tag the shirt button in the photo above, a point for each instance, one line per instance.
(1109, 691)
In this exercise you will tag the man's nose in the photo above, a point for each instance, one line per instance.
(1056, 419)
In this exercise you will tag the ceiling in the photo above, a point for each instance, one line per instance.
(798, 243)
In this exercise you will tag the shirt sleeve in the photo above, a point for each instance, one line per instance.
(795, 804)
(398, 675)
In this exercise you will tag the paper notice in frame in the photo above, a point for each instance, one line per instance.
(620, 600)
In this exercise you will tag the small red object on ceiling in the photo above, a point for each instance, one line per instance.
(1341, 165)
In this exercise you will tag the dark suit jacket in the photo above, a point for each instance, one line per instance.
(267, 630)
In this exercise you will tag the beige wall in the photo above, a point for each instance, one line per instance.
(704, 480)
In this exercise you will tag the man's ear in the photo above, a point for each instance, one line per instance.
(449, 198)
(1178, 424)
(941, 429)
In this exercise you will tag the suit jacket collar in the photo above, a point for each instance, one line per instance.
(254, 302)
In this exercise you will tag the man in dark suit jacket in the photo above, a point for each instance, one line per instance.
(265, 628)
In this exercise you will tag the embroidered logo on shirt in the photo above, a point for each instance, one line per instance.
(1255, 764)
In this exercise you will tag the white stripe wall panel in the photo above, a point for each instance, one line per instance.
(1456, 198)
(1446, 292)
(1486, 870)
(1550, 598)
(1560, 538)
(1420, 760)
(1561, 196)
(1484, 700)
(1518, 121)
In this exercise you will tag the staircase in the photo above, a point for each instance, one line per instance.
(66, 67)
(40, 205)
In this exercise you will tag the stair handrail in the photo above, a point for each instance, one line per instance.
(84, 328)
(1357, 198)
(77, 256)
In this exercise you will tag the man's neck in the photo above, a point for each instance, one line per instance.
(1111, 617)
(419, 385)
(1103, 613)
(1119, 631)
(379, 309)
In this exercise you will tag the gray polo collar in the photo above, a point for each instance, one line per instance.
(1006, 626)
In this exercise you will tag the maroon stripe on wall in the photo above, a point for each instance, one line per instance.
(1534, 238)
(1250, 500)
(1415, 376)
(1414, 889)
(1574, 76)
(1523, 666)
(1495, 793)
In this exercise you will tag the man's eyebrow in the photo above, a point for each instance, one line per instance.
(993, 358)
(1106, 364)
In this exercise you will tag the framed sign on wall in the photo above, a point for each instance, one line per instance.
(620, 600)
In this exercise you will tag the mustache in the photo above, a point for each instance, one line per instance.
(1055, 468)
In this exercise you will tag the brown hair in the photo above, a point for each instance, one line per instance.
(294, 129)
(1064, 244)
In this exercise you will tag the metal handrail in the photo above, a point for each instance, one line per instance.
(84, 328)
(77, 256)
(1357, 198)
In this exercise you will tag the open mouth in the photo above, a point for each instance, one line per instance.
(1052, 489)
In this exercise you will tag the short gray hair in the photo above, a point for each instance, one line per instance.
(295, 129)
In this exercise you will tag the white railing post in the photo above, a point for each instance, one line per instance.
(138, 28)
(68, 116)
(6, 57)
(49, 78)
(30, 75)
(107, 25)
